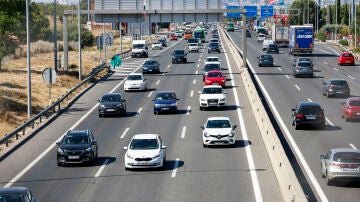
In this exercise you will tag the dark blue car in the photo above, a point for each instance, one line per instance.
(165, 101)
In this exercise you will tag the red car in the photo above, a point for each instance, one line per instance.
(351, 108)
(173, 37)
(215, 77)
(346, 58)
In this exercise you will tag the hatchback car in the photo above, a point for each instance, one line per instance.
(22, 194)
(179, 56)
(193, 47)
(308, 113)
(210, 67)
(135, 81)
(165, 101)
(273, 48)
(350, 109)
(156, 45)
(173, 37)
(303, 68)
(151, 66)
(340, 164)
(213, 47)
(77, 146)
(265, 60)
(212, 96)
(336, 87)
(215, 77)
(218, 131)
(346, 58)
(112, 104)
(145, 151)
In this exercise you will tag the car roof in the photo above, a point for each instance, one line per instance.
(163, 92)
(353, 98)
(135, 74)
(13, 190)
(345, 150)
(145, 136)
(306, 103)
(219, 118)
(77, 132)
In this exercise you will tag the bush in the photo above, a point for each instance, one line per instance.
(357, 50)
(321, 36)
(343, 42)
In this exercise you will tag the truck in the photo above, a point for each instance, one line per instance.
(301, 39)
(280, 35)
(139, 48)
(230, 27)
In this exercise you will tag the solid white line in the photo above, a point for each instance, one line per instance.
(183, 132)
(188, 110)
(149, 95)
(351, 77)
(287, 76)
(168, 66)
(309, 100)
(124, 133)
(140, 109)
(279, 69)
(191, 93)
(176, 164)
(296, 86)
(157, 83)
(325, 62)
(328, 120)
(249, 156)
(352, 146)
(101, 168)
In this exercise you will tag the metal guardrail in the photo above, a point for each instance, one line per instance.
(56, 106)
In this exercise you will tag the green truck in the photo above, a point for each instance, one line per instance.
(231, 27)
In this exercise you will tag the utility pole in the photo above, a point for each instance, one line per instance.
(28, 58)
(79, 32)
(55, 40)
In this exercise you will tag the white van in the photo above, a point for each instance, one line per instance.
(266, 43)
(260, 37)
(139, 48)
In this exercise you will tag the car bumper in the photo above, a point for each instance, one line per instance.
(109, 111)
(213, 50)
(154, 163)
(165, 109)
(82, 158)
(266, 64)
(212, 103)
(178, 60)
(353, 115)
(151, 70)
(218, 141)
(343, 175)
(338, 92)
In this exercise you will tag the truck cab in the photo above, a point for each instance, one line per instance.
(139, 48)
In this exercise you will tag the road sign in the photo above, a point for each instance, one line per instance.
(49, 75)
(233, 14)
(267, 11)
(251, 11)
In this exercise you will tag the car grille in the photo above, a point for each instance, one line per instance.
(213, 101)
(76, 152)
(218, 136)
(143, 159)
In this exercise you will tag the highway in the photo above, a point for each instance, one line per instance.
(192, 173)
(282, 91)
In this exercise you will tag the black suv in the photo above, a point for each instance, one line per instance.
(112, 104)
(308, 113)
(248, 34)
(213, 47)
(77, 147)
(336, 87)
(179, 56)
(273, 48)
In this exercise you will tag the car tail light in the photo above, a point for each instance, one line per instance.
(332, 86)
(345, 165)
(298, 68)
(299, 116)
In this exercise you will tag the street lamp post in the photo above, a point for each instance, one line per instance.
(28, 58)
(79, 32)
(335, 20)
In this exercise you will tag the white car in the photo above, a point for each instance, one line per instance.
(193, 47)
(135, 81)
(212, 96)
(218, 131)
(156, 45)
(212, 60)
(266, 43)
(260, 37)
(145, 151)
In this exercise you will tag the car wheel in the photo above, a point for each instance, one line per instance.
(346, 118)
(327, 95)
(296, 126)
(329, 181)
(204, 145)
(322, 173)
(126, 168)
(201, 108)
(324, 92)
(322, 126)
(100, 115)
(60, 164)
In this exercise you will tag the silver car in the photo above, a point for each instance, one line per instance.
(340, 164)
(303, 68)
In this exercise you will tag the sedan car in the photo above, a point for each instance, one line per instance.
(173, 37)
(213, 47)
(303, 68)
(273, 48)
(212, 60)
(340, 164)
(77, 146)
(218, 131)
(135, 81)
(193, 47)
(15, 194)
(210, 67)
(308, 113)
(156, 45)
(212, 96)
(179, 56)
(145, 151)
(336, 87)
(265, 60)
(350, 109)
(112, 104)
(346, 58)
(215, 77)
(151, 66)
(163, 42)
(165, 101)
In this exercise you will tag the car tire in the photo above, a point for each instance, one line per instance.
(346, 118)
(296, 126)
(60, 164)
(329, 181)
(327, 95)
(322, 174)
(201, 108)
(204, 145)
(100, 115)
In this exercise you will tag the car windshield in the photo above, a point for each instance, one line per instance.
(192, 41)
(218, 124)
(193, 44)
(165, 96)
(212, 59)
(305, 64)
(138, 46)
(134, 77)
(214, 74)
(209, 67)
(266, 57)
(179, 52)
(339, 83)
(304, 59)
(348, 157)
(75, 139)
(310, 110)
(355, 103)
(140, 144)
(150, 62)
(347, 55)
(111, 98)
(11, 197)
(272, 46)
(212, 90)
(213, 44)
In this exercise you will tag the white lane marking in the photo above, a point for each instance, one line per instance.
(309, 100)
(168, 66)
(149, 95)
(336, 69)
(328, 120)
(199, 59)
(194, 82)
(279, 69)
(191, 93)
(176, 164)
(196, 72)
(297, 150)
(183, 132)
(157, 83)
(325, 62)
(249, 156)
(352, 146)
(297, 87)
(287, 76)
(101, 168)
(198, 65)
(188, 110)
(351, 77)
(124, 133)
(140, 109)
(316, 57)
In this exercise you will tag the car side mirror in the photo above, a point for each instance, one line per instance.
(202, 127)
(293, 110)
(324, 83)
(225, 92)
(145, 79)
(98, 100)
(235, 126)
(322, 156)
(199, 92)
(343, 103)
(58, 143)
(95, 143)
(163, 147)
(152, 99)
(177, 98)
(123, 100)
(125, 147)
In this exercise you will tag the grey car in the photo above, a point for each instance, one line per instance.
(265, 60)
(16, 194)
(112, 104)
(336, 87)
(340, 164)
(303, 68)
(210, 67)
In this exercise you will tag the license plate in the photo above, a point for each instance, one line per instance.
(144, 163)
(150, 70)
(311, 117)
(357, 113)
(218, 143)
(166, 108)
(212, 103)
(110, 110)
(74, 157)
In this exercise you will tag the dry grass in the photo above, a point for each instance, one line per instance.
(13, 81)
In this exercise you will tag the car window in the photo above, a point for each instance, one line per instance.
(134, 77)
(310, 109)
(140, 144)
(339, 83)
(212, 59)
(165, 96)
(111, 98)
(348, 157)
(304, 64)
(355, 103)
(347, 55)
(272, 45)
(179, 52)
(266, 57)
(209, 67)
(214, 74)
(213, 44)
(212, 90)
(218, 124)
(75, 139)
(150, 62)
(11, 197)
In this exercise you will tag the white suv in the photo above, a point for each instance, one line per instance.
(218, 131)
(260, 37)
(193, 47)
(212, 96)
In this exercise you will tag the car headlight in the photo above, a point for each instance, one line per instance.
(128, 155)
(119, 105)
(232, 134)
(89, 149)
(206, 134)
(102, 106)
(145, 68)
(60, 151)
(158, 105)
(173, 104)
(157, 155)
(202, 99)
(222, 99)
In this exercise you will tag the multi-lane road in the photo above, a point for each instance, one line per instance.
(192, 173)
(282, 91)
